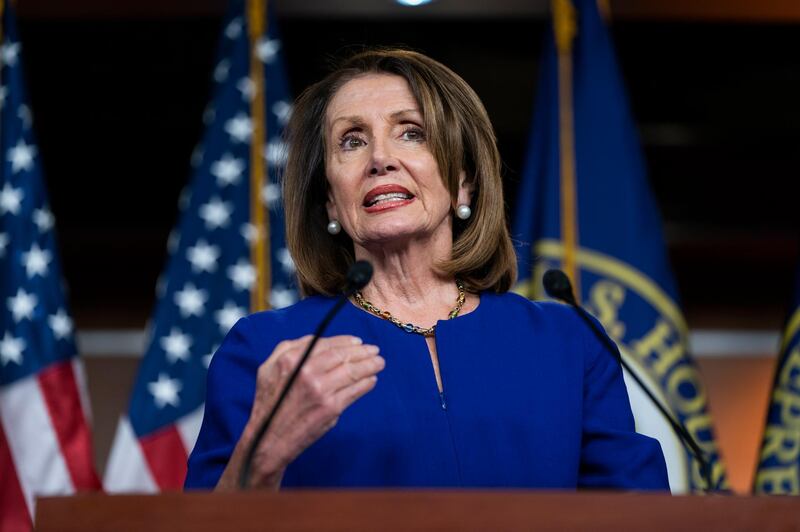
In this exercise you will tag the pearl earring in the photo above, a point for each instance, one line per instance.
(463, 212)
(334, 227)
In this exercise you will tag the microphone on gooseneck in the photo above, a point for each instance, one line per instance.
(358, 276)
(558, 286)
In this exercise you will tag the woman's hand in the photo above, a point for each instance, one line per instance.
(339, 370)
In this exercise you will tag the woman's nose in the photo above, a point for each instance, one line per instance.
(381, 168)
(382, 160)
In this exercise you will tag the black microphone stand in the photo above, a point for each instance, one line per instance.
(358, 276)
(558, 286)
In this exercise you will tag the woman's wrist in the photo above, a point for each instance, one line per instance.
(266, 469)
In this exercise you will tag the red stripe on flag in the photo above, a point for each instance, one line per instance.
(60, 392)
(13, 510)
(166, 457)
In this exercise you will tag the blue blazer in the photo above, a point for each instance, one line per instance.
(531, 400)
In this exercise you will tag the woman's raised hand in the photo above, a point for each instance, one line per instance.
(339, 370)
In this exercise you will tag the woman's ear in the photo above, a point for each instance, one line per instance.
(330, 206)
(465, 190)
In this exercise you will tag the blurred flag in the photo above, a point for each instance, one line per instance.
(45, 441)
(227, 255)
(585, 206)
(779, 464)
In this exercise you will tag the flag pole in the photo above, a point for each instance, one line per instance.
(565, 29)
(259, 217)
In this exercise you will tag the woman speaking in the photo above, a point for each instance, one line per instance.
(435, 375)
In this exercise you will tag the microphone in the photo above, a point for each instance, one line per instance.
(558, 286)
(358, 275)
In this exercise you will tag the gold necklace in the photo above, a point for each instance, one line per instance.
(410, 327)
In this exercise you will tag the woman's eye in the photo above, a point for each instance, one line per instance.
(351, 142)
(414, 134)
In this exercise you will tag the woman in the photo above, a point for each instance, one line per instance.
(435, 375)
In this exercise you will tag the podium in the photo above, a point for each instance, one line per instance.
(396, 510)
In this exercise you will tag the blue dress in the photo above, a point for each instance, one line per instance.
(530, 400)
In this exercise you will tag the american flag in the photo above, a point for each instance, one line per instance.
(45, 441)
(209, 277)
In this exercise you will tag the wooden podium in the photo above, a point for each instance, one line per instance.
(385, 511)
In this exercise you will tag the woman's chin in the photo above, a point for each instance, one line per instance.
(391, 235)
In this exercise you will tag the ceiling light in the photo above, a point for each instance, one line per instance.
(413, 3)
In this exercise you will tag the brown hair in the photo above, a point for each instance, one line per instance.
(460, 137)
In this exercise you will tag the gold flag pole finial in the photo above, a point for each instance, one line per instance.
(564, 24)
(259, 217)
(565, 29)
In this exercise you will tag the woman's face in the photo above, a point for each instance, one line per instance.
(385, 186)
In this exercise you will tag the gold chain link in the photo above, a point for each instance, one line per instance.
(410, 327)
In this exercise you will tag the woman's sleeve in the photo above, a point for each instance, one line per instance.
(613, 454)
(230, 388)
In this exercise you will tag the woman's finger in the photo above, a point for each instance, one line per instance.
(351, 372)
(302, 342)
(329, 358)
(349, 394)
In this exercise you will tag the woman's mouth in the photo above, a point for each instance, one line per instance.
(387, 197)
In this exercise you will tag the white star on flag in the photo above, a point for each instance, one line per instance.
(161, 286)
(22, 305)
(165, 391)
(271, 195)
(246, 87)
(267, 49)
(10, 199)
(191, 300)
(242, 274)
(11, 349)
(21, 156)
(3, 244)
(176, 345)
(234, 28)
(173, 240)
(43, 219)
(221, 70)
(61, 324)
(276, 153)
(197, 156)
(227, 170)
(240, 128)
(216, 213)
(36, 261)
(286, 260)
(10, 53)
(24, 114)
(228, 316)
(249, 232)
(281, 297)
(282, 111)
(209, 115)
(184, 198)
(203, 257)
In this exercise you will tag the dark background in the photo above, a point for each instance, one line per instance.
(118, 96)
